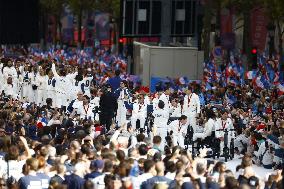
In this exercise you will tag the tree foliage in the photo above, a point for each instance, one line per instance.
(110, 6)
(54, 7)
(275, 11)
(78, 6)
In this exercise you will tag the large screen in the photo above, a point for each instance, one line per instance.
(143, 18)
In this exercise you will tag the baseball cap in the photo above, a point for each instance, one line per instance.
(98, 164)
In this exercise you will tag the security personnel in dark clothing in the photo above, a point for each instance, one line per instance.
(108, 105)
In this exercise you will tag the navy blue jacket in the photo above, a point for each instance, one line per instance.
(114, 82)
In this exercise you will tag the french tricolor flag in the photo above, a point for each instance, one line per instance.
(181, 81)
(280, 89)
(250, 74)
(104, 79)
(103, 65)
(123, 64)
(232, 82)
(257, 81)
(276, 78)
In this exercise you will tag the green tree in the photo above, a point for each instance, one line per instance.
(212, 9)
(275, 11)
(113, 8)
(244, 10)
(79, 7)
(55, 8)
(110, 6)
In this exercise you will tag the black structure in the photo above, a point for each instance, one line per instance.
(142, 18)
(19, 21)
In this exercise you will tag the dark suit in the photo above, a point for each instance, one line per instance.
(57, 179)
(74, 182)
(150, 183)
(108, 106)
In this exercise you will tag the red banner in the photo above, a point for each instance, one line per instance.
(258, 28)
(51, 29)
(226, 21)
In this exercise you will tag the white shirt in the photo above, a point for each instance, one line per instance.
(86, 111)
(27, 77)
(165, 99)
(267, 158)
(191, 104)
(209, 126)
(62, 84)
(99, 182)
(239, 140)
(77, 104)
(170, 175)
(140, 109)
(161, 117)
(221, 125)
(95, 101)
(10, 90)
(177, 128)
(40, 81)
(9, 71)
(15, 168)
(175, 111)
(87, 82)
(71, 90)
(142, 178)
(49, 85)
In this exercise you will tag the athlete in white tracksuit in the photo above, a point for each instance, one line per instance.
(9, 71)
(50, 87)
(1, 78)
(41, 84)
(123, 96)
(34, 84)
(222, 124)
(191, 108)
(85, 109)
(165, 98)
(264, 154)
(240, 142)
(139, 112)
(87, 85)
(72, 90)
(175, 109)
(61, 89)
(95, 103)
(208, 126)
(179, 129)
(9, 88)
(161, 117)
(27, 92)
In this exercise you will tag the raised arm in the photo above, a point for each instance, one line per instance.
(197, 104)
(27, 149)
(53, 69)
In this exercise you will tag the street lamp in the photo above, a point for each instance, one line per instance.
(271, 33)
